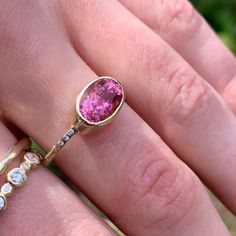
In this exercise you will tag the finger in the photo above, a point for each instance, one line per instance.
(188, 33)
(139, 182)
(161, 87)
(45, 206)
(156, 192)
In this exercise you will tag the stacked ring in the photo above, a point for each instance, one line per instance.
(17, 176)
(17, 149)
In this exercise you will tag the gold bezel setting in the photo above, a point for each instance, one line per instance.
(3, 202)
(17, 177)
(7, 189)
(108, 119)
(32, 158)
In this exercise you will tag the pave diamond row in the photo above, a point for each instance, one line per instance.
(17, 177)
(68, 135)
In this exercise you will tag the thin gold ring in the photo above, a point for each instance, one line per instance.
(16, 150)
(97, 105)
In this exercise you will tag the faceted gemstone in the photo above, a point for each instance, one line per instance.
(2, 202)
(17, 176)
(7, 189)
(32, 158)
(100, 100)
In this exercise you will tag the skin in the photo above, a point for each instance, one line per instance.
(177, 127)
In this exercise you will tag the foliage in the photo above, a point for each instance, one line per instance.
(221, 15)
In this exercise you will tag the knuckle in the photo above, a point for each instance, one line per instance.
(179, 16)
(180, 93)
(188, 96)
(162, 190)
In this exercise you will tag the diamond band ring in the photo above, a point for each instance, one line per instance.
(17, 176)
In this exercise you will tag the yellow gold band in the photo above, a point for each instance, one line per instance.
(17, 149)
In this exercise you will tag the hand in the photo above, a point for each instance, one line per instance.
(180, 84)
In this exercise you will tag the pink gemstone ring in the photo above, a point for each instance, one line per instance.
(97, 105)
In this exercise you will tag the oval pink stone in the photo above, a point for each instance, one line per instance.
(100, 100)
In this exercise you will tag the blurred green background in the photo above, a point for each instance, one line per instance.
(221, 15)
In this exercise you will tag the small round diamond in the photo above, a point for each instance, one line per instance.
(7, 189)
(65, 138)
(17, 177)
(26, 166)
(32, 158)
(61, 143)
(70, 132)
(3, 203)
